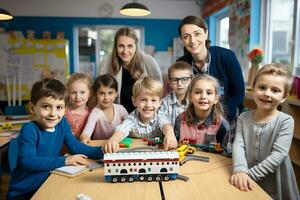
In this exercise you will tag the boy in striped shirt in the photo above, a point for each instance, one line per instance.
(144, 121)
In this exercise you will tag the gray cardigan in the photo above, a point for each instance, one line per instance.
(262, 151)
(151, 68)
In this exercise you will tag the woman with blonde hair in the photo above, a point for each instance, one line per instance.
(127, 63)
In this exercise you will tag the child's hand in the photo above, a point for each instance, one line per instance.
(111, 146)
(84, 139)
(170, 141)
(78, 159)
(242, 181)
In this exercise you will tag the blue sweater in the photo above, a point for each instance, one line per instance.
(39, 153)
(226, 68)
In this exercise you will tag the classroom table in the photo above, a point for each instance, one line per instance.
(4, 140)
(207, 180)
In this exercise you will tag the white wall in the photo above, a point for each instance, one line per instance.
(161, 9)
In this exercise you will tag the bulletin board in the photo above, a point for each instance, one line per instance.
(25, 61)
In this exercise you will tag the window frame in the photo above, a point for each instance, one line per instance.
(267, 37)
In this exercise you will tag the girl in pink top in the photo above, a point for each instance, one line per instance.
(104, 118)
(203, 120)
(79, 89)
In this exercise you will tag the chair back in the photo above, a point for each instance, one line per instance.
(15, 110)
(12, 153)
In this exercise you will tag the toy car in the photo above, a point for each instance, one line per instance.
(211, 147)
(152, 141)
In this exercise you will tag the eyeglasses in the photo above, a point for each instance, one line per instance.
(183, 80)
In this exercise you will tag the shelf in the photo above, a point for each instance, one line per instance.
(296, 162)
(293, 100)
(296, 136)
(295, 152)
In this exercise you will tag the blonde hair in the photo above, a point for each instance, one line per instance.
(135, 66)
(147, 85)
(217, 109)
(277, 69)
(180, 65)
(85, 78)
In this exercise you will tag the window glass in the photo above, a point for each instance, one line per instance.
(223, 32)
(281, 31)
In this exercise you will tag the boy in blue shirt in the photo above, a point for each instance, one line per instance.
(41, 140)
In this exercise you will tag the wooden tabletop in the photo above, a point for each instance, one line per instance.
(206, 181)
(93, 185)
(4, 141)
(16, 126)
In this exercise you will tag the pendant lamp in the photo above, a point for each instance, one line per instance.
(135, 9)
(5, 15)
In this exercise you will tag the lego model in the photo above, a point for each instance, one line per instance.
(211, 147)
(6, 126)
(142, 166)
(190, 141)
(152, 141)
(126, 142)
(183, 150)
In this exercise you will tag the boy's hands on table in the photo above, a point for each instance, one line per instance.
(78, 159)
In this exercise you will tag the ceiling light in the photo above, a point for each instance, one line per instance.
(5, 15)
(135, 9)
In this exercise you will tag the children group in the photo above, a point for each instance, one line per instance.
(68, 117)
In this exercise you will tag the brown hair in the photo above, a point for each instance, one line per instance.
(85, 78)
(276, 69)
(217, 109)
(106, 80)
(48, 88)
(147, 85)
(198, 21)
(179, 65)
(136, 64)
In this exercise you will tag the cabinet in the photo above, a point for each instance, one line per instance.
(292, 107)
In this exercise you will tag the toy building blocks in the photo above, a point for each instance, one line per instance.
(126, 142)
(152, 141)
(6, 125)
(211, 147)
(189, 141)
(142, 166)
(183, 150)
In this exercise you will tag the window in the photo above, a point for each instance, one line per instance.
(94, 43)
(218, 26)
(278, 42)
(223, 32)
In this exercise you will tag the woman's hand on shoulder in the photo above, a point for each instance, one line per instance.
(77, 159)
(242, 181)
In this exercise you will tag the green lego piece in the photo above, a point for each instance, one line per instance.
(126, 142)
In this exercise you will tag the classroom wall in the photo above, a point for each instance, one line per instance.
(158, 32)
(64, 15)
